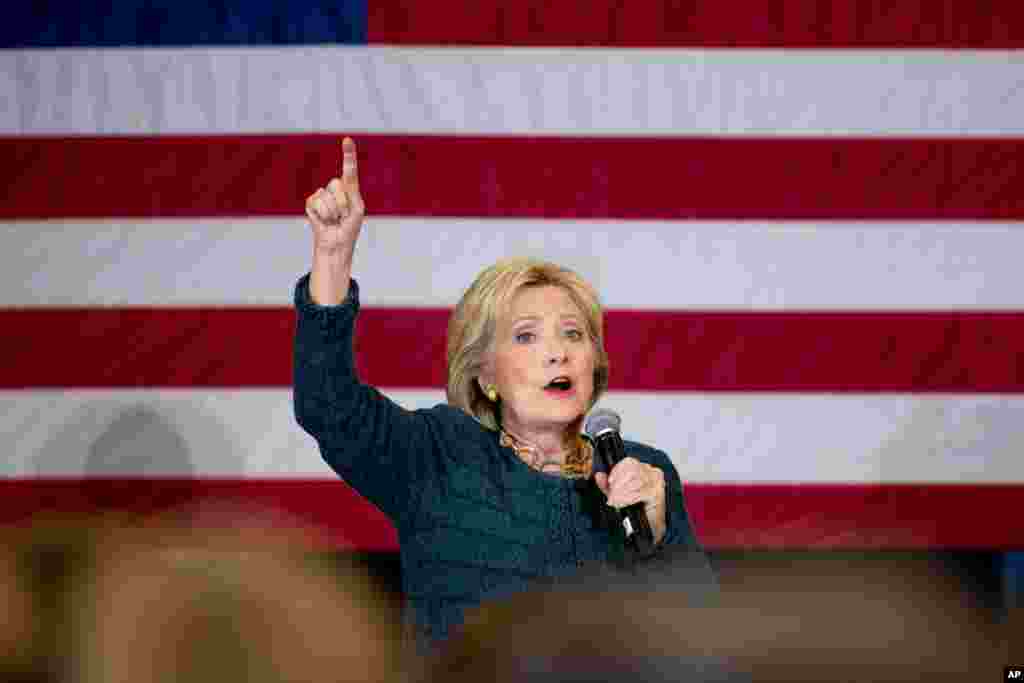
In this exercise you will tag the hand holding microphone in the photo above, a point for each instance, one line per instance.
(635, 489)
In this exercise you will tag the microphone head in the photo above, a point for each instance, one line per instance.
(601, 420)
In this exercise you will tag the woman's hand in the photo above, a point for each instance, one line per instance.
(336, 212)
(336, 215)
(632, 481)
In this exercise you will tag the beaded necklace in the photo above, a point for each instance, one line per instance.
(578, 463)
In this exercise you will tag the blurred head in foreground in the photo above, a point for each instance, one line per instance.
(179, 604)
(17, 613)
(875, 621)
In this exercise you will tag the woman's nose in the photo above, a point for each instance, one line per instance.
(556, 352)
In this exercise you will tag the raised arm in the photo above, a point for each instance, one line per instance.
(376, 446)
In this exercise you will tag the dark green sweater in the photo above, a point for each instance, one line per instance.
(474, 522)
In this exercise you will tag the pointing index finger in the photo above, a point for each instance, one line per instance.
(349, 167)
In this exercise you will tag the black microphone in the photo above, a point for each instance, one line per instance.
(603, 429)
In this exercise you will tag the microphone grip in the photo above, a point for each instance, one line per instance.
(634, 517)
(639, 536)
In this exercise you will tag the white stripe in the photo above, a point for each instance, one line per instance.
(512, 91)
(721, 437)
(430, 262)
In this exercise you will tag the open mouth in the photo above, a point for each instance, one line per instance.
(562, 384)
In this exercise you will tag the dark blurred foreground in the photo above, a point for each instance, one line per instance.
(778, 617)
(167, 599)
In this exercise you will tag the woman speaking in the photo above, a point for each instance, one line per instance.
(497, 490)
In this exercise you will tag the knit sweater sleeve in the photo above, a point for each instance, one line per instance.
(678, 560)
(679, 530)
(375, 445)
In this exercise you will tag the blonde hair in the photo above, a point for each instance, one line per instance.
(472, 328)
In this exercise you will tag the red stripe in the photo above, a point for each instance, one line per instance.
(652, 351)
(693, 178)
(321, 512)
(907, 516)
(725, 516)
(701, 23)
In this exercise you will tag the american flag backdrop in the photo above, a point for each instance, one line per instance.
(804, 219)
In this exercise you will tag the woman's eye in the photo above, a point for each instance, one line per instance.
(524, 337)
(575, 335)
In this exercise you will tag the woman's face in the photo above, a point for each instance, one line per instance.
(542, 337)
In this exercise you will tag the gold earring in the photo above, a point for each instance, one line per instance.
(492, 393)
